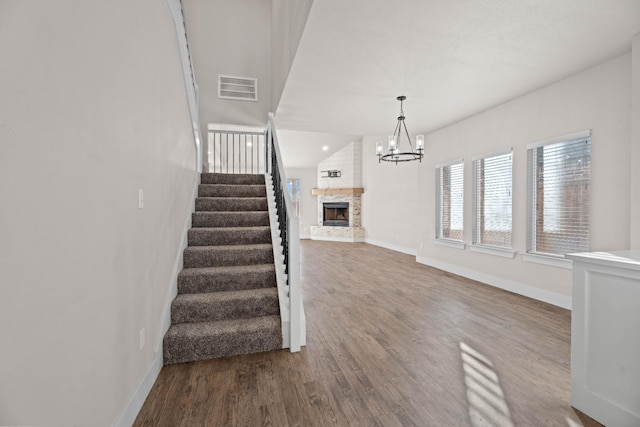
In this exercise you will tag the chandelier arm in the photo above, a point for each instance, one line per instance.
(407, 133)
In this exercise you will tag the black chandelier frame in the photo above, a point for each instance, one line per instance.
(394, 154)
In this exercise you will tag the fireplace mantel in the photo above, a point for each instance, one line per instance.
(336, 191)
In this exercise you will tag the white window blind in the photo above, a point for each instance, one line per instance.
(450, 200)
(558, 191)
(492, 200)
(293, 185)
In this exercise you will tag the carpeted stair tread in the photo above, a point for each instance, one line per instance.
(229, 219)
(226, 178)
(231, 190)
(186, 342)
(204, 307)
(227, 278)
(213, 256)
(227, 301)
(211, 236)
(231, 204)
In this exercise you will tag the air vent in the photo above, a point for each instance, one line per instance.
(239, 88)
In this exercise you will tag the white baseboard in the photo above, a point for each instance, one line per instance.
(305, 236)
(499, 282)
(396, 248)
(137, 400)
(338, 239)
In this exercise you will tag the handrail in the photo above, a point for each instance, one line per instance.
(289, 226)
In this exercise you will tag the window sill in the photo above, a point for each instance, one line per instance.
(456, 244)
(505, 253)
(548, 260)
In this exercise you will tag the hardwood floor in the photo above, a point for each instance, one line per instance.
(390, 342)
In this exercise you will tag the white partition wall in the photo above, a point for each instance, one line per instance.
(605, 350)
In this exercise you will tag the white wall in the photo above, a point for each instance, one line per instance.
(288, 18)
(230, 38)
(597, 99)
(390, 200)
(308, 203)
(348, 162)
(634, 157)
(93, 108)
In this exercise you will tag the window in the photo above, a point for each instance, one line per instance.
(293, 185)
(559, 175)
(450, 198)
(492, 200)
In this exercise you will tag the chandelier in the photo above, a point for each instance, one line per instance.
(394, 153)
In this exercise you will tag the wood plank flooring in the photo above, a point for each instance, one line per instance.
(390, 342)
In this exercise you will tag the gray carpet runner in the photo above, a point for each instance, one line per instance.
(227, 301)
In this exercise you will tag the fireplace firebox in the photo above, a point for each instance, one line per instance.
(335, 214)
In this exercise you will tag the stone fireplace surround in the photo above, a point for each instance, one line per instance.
(355, 231)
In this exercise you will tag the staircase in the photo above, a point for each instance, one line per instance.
(227, 301)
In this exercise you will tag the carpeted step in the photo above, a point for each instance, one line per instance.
(229, 219)
(228, 278)
(231, 204)
(231, 190)
(227, 301)
(229, 178)
(206, 307)
(186, 342)
(212, 236)
(215, 256)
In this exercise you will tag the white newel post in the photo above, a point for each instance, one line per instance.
(295, 293)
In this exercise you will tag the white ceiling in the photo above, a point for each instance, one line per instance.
(451, 58)
(306, 149)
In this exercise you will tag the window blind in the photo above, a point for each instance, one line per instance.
(450, 200)
(493, 200)
(559, 201)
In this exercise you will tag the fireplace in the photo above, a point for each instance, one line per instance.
(339, 213)
(335, 214)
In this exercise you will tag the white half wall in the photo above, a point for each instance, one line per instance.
(93, 109)
(598, 99)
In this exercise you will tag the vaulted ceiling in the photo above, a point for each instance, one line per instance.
(451, 58)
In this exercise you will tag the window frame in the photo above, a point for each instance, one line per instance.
(440, 237)
(478, 212)
(533, 192)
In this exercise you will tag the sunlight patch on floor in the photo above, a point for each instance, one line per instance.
(487, 404)
(572, 423)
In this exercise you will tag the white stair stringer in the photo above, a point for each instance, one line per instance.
(278, 259)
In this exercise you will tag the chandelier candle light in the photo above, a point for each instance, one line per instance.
(393, 152)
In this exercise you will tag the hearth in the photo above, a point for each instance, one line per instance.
(335, 214)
